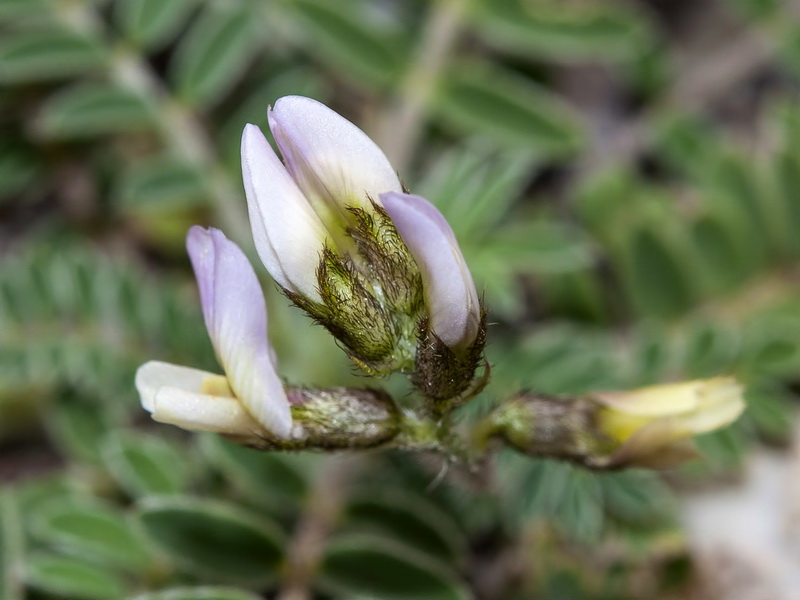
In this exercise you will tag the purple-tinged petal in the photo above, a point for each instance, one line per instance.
(236, 318)
(331, 159)
(450, 295)
(288, 234)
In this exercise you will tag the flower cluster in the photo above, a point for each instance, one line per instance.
(382, 271)
(379, 268)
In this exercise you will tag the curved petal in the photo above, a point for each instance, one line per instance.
(154, 375)
(651, 421)
(288, 234)
(179, 395)
(236, 318)
(450, 295)
(674, 399)
(722, 402)
(655, 400)
(203, 412)
(328, 156)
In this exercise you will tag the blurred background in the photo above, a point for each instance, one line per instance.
(624, 180)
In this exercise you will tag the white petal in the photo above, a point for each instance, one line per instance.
(194, 411)
(328, 156)
(153, 375)
(288, 234)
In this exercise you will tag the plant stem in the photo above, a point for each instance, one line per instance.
(11, 547)
(180, 130)
(308, 543)
(403, 120)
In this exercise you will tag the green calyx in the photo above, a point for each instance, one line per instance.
(345, 417)
(372, 303)
(336, 419)
(542, 425)
(446, 377)
(371, 295)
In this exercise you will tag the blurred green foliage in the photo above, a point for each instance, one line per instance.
(625, 196)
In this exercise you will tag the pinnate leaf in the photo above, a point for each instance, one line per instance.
(213, 55)
(72, 578)
(199, 593)
(91, 530)
(151, 23)
(48, 54)
(144, 465)
(373, 567)
(92, 109)
(213, 540)
(408, 518)
(510, 109)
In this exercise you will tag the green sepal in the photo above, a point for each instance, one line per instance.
(335, 419)
(371, 300)
(393, 272)
(350, 312)
(550, 426)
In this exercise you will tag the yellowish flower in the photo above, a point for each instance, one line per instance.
(654, 425)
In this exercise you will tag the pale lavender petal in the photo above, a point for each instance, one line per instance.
(450, 295)
(288, 234)
(331, 159)
(236, 318)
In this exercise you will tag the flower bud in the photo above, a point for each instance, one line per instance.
(323, 235)
(452, 331)
(380, 269)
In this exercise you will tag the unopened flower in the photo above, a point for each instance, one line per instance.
(450, 296)
(250, 399)
(379, 268)
(653, 425)
(302, 205)
(321, 232)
